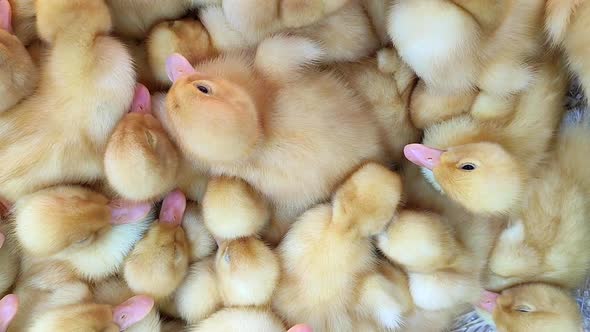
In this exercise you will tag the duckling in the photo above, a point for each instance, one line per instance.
(545, 241)
(43, 286)
(566, 26)
(484, 166)
(159, 261)
(531, 307)
(240, 319)
(81, 227)
(263, 150)
(24, 20)
(88, 78)
(18, 74)
(8, 309)
(9, 258)
(134, 18)
(244, 271)
(94, 317)
(471, 45)
(113, 291)
(345, 36)
(444, 258)
(329, 246)
(140, 162)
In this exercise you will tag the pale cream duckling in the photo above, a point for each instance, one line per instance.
(94, 317)
(444, 258)
(201, 243)
(290, 154)
(88, 78)
(329, 247)
(484, 166)
(531, 307)
(18, 74)
(81, 227)
(159, 262)
(344, 36)
(546, 240)
(458, 47)
(8, 309)
(241, 320)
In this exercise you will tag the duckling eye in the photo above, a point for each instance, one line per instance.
(204, 89)
(523, 308)
(468, 167)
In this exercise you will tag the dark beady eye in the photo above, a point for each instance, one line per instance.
(468, 167)
(203, 89)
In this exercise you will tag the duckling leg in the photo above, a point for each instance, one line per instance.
(18, 74)
(141, 162)
(420, 242)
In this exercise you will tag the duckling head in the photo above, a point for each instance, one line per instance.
(531, 307)
(482, 177)
(214, 119)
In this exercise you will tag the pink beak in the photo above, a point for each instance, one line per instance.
(488, 300)
(422, 155)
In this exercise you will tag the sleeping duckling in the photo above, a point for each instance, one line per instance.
(458, 47)
(94, 317)
(43, 286)
(158, 263)
(51, 137)
(268, 88)
(113, 291)
(140, 139)
(81, 227)
(8, 309)
(531, 307)
(566, 22)
(18, 74)
(444, 257)
(329, 246)
(484, 166)
(546, 240)
(345, 36)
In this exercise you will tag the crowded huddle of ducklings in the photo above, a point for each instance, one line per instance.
(292, 165)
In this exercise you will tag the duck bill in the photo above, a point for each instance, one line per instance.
(422, 155)
(487, 301)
